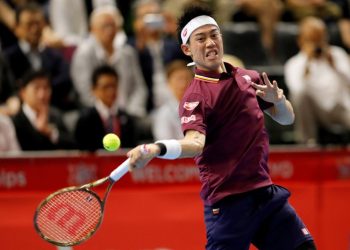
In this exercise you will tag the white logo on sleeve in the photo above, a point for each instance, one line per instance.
(187, 119)
(190, 105)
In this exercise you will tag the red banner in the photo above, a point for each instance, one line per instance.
(35, 172)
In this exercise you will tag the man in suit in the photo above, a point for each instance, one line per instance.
(94, 122)
(29, 54)
(38, 125)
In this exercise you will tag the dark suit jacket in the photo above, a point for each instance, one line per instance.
(52, 62)
(7, 83)
(90, 130)
(31, 139)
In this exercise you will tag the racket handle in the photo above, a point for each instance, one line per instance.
(120, 171)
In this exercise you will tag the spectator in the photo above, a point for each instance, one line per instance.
(27, 54)
(8, 138)
(154, 49)
(166, 121)
(101, 48)
(318, 79)
(104, 117)
(39, 126)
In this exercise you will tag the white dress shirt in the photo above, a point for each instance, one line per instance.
(325, 85)
(132, 91)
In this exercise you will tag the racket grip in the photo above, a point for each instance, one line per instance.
(120, 171)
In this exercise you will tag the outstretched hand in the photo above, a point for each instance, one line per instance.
(269, 92)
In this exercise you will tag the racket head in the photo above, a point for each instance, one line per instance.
(69, 216)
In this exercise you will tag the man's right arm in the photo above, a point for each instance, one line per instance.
(191, 145)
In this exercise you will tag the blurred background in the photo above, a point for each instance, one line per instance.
(72, 71)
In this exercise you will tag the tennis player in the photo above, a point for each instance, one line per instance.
(223, 122)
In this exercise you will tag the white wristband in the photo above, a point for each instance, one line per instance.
(173, 149)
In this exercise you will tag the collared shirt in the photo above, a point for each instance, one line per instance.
(104, 111)
(33, 56)
(132, 90)
(327, 86)
(109, 117)
(226, 109)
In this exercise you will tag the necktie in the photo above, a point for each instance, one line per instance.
(110, 124)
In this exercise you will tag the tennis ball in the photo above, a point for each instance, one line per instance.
(111, 142)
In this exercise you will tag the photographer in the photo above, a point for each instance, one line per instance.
(318, 79)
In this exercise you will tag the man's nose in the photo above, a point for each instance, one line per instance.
(210, 42)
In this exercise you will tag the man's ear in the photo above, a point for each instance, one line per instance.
(186, 49)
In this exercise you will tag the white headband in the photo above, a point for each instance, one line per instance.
(194, 24)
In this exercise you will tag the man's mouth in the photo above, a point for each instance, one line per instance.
(211, 54)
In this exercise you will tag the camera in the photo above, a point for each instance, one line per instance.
(154, 21)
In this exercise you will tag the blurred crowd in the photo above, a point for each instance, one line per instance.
(73, 70)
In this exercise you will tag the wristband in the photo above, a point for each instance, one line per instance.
(169, 149)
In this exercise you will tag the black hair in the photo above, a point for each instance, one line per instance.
(191, 12)
(102, 70)
(30, 7)
(31, 75)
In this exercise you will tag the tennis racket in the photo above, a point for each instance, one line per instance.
(72, 215)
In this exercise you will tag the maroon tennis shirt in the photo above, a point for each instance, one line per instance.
(226, 109)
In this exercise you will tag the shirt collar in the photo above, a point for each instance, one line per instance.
(103, 110)
(25, 47)
(213, 77)
(101, 53)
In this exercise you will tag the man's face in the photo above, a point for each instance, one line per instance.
(206, 48)
(30, 27)
(37, 93)
(105, 28)
(106, 89)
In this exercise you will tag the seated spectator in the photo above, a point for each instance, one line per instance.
(318, 79)
(166, 121)
(28, 54)
(38, 125)
(154, 48)
(100, 48)
(8, 138)
(104, 117)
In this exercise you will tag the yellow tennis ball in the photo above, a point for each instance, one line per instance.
(111, 142)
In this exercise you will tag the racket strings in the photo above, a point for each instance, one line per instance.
(70, 216)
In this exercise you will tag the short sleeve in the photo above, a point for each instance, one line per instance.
(192, 113)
